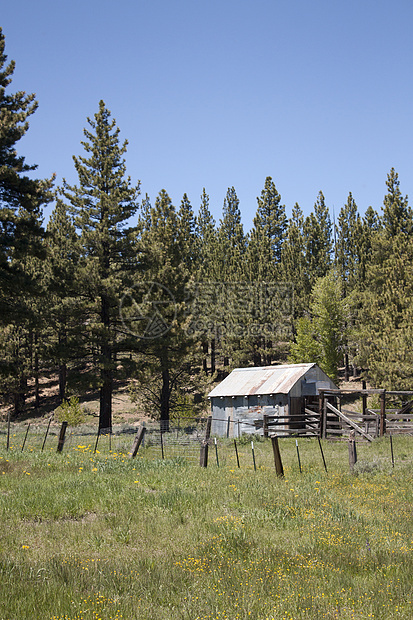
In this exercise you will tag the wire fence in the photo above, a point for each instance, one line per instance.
(183, 442)
(189, 445)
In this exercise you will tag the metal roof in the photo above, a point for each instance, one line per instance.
(261, 380)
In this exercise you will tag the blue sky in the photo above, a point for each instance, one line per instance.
(316, 94)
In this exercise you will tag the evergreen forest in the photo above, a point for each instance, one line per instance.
(124, 288)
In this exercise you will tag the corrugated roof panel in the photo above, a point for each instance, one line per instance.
(261, 380)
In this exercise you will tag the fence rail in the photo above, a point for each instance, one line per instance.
(301, 424)
(369, 423)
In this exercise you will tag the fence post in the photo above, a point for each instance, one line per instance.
(253, 455)
(8, 430)
(203, 458)
(62, 437)
(46, 434)
(352, 452)
(298, 455)
(325, 401)
(163, 454)
(208, 428)
(383, 413)
(364, 398)
(216, 450)
(25, 437)
(277, 457)
(265, 425)
(228, 423)
(137, 442)
(322, 453)
(97, 441)
(321, 413)
(236, 452)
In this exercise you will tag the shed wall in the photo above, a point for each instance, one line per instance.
(243, 412)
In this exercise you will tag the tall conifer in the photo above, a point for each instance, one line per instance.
(204, 305)
(384, 321)
(348, 245)
(397, 214)
(318, 242)
(64, 307)
(103, 203)
(21, 196)
(231, 239)
(293, 262)
(157, 314)
(267, 235)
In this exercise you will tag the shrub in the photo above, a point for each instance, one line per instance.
(71, 412)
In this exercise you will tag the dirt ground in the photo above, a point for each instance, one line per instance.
(123, 409)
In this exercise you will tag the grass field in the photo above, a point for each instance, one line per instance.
(88, 536)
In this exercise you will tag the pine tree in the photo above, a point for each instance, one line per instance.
(319, 243)
(203, 294)
(187, 229)
(370, 225)
(21, 197)
(157, 313)
(103, 203)
(21, 346)
(231, 240)
(293, 269)
(64, 307)
(206, 241)
(347, 249)
(21, 241)
(267, 235)
(265, 320)
(383, 330)
(230, 270)
(397, 215)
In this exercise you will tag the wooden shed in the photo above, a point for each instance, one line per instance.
(240, 401)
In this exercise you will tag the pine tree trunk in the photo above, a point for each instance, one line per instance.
(36, 382)
(205, 361)
(105, 413)
(62, 381)
(256, 356)
(346, 368)
(19, 395)
(36, 373)
(62, 366)
(212, 356)
(268, 359)
(106, 373)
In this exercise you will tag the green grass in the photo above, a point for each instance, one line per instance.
(89, 536)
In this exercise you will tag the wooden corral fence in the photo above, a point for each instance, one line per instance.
(303, 424)
(337, 420)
